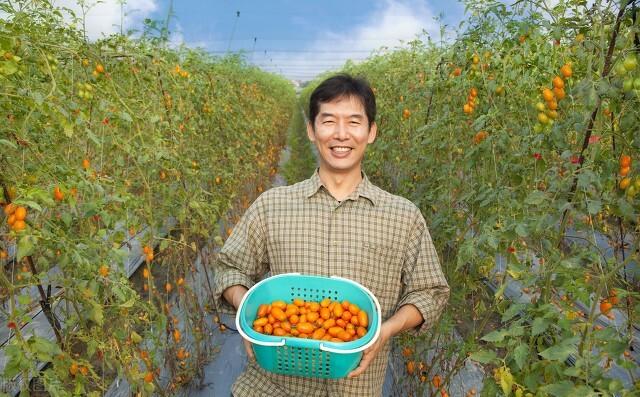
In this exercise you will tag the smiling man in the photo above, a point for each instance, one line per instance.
(337, 223)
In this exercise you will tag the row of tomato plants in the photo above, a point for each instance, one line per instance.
(100, 141)
(515, 140)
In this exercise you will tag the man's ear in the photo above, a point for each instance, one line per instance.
(373, 132)
(310, 132)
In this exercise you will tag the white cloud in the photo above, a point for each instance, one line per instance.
(106, 17)
(390, 22)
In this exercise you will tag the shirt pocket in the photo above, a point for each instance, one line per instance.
(377, 266)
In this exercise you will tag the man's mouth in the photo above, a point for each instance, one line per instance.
(341, 149)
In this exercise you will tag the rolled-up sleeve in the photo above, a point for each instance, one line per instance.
(243, 259)
(423, 282)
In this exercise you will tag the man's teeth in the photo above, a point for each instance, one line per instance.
(341, 149)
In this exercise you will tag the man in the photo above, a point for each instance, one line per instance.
(337, 223)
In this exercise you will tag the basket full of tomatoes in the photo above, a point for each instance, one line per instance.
(313, 326)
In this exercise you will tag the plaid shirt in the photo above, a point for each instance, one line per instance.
(373, 237)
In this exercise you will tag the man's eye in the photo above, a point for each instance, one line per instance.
(354, 122)
(327, 122)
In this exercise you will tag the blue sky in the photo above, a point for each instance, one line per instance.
(297, 38)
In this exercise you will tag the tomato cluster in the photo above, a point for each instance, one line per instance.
(325, 320)
(548, 111)
(472, 101)
(16, 216)
(626, 183)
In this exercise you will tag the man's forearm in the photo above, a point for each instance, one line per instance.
(234, 294)
(407, 317)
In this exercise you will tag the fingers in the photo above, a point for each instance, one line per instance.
(364, 363)
(249, 348)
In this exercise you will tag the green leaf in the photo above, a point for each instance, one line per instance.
(594, 207)
(30, 204)
(561, 351)
(129, 303)
(8, 143)
(96, 313)
(495, 336)
(9, 68)
(535, 198)
(26, 246)
(520, 354)
(561, 389)
(512, 311)
(67, 129)
(539, 325)
(521, 230)
(24, 299)
(484, 356)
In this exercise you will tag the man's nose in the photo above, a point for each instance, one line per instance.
(342, 130)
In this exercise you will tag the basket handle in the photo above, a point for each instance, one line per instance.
(379, 323)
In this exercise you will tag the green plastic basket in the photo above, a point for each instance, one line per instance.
(307, 357)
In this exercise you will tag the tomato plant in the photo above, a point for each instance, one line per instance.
(518, 140)
(106, 147)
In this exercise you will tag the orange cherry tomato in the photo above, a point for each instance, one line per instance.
(337, 311)
(325, 313)
(354, 320)
(286, 326)
(625, 160)
(277, 313)
(268, 329)
(279, 332)
(319, 333)
(354, 309)
(298, 302)
(314, 306)
(346, 316)
(305, 328)
(262, 310)
(312, 316)
(325, 302)
(344, 335)
(341, 323)
(20, 213)
(361, 331)
(261, 322)
(624, 170)
(294, 319)
(328, 323)
(280, 304)
(334, 331)
(363, 319)
(291, 310)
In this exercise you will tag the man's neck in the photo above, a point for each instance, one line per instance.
(340, 185)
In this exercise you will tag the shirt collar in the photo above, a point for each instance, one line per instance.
(364, 189)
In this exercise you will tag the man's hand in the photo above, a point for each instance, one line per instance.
(234, 296)
(406, 317)
(249, 348)
(372, 351)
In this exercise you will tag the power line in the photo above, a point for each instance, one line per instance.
(302, 51)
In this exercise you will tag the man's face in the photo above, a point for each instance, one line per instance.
(341, 132)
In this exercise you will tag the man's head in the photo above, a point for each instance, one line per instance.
(342, 123)
(343, 86)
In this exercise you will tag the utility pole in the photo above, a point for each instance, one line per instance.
(233, 31)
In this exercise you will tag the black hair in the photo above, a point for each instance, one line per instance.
(343, 86)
